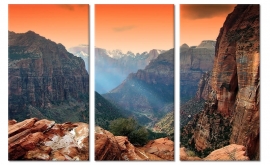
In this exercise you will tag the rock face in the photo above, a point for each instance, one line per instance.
(42, 75)
(196, 104)
(34, 139)
(228, 153)
(194, 62)
(114, 66)
(110, 147)
(148, 94)
(235, 88)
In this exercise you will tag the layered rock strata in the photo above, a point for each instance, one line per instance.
(34, 139)
(42, 74)
(235, 88)
(194, 62)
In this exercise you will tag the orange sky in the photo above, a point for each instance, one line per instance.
(65, 24)
(137, 28)
(201, 22)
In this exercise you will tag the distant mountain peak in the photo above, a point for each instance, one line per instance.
(207, 44)
(83, 53)
(184, 46)
(30, 31)
(116, 53)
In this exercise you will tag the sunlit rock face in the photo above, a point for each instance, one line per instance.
(149, 93)
(228, 153)
(34, 139)
(231, 113)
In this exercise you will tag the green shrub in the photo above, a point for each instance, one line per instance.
(136, 134)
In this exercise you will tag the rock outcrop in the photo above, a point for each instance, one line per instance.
(110, 147)
(194, 62)
(231, 113)
(42, 75)
(34, 139)
(228, 153)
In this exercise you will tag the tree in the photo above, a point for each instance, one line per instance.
(136, 134)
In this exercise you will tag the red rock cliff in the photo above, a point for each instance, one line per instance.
(42, 73)
(235, 84)
(236, 75)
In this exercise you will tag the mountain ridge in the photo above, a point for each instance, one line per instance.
(44, 79)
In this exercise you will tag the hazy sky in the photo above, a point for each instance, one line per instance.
(201, 22)
(136, 28)
(65, 24)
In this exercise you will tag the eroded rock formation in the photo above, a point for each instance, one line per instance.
(231, 112)
(110, 147)
(34, 139)
(194, 62)
(227, 153)
(43, 75)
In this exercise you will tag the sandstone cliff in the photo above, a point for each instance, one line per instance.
(44, 78)
(231, 113)
(194, 61)
(110, 147)
(34, 139)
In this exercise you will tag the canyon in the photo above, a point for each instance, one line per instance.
(147, 94)
(231, 113)
(113, 67)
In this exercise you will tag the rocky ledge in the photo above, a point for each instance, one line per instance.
(110, 147)
(34, 139)
(227, 153)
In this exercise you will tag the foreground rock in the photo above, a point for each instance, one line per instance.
(34, 139)
(228, 153)
(110, 147)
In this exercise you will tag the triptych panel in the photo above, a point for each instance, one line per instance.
(134, 82)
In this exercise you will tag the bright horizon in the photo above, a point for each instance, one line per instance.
(135, 28)
(65, 24)
(201, 22)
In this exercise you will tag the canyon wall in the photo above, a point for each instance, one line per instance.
(41, 74)
(231, 112)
